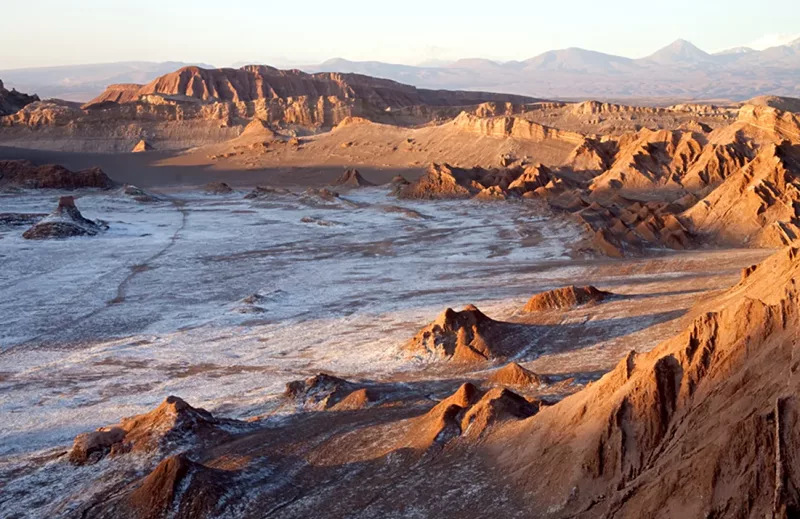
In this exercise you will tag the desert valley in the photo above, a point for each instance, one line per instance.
(253, 292)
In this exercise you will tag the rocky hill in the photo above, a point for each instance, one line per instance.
(705, 425)
(253, 83)
(737, 184)
(12, 101)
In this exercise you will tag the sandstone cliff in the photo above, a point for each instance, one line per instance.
(259, 82)
(705, 425)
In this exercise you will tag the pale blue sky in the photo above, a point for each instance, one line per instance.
(219, 32)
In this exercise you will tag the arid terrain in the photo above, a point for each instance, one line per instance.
(265, 293)
(678, 71)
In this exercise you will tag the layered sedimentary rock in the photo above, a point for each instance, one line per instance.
(705, 425)
(514, 127)
(650, 160)
(675, 188)
(758, 205)
(255, 82)
(195, 106)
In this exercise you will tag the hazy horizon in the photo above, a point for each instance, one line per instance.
(420, 32)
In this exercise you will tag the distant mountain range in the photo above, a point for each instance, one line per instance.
(679, 71)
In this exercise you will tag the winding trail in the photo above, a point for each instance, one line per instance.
(180, 205)
(145, 266)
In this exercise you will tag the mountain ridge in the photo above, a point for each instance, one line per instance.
(731, 74)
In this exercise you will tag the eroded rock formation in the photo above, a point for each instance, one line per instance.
(465, 336)
(352, 178)
(172, 421)
(514, 375)
(565, 298)
(26, 175)
(705, 424)
(65, 221)
(12, 101)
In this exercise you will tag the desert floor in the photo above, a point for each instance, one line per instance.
(101, 327)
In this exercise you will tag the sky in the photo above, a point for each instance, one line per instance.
(220, 33)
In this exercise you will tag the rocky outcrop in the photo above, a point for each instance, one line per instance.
(705, 423)
(142, 146)
(178, 487)
(591, 155)
(20, 219)
(358, 399)
(443, 422)
(717, 162)
(259, 82)
(513, 127)
(758, 205)
(514, 375)
(497, 406)
(600, 108)
(195, 107)
(464, 337)
(786, 104)
(65, 222)
(649, 160)
(398, 184)
(468, 414)
(532, 178)
(319, 392)
(622, 226)
(352, 178)
(565, 298)
(263, 192)
(259, 129)
(138, 194)
(775, 124)
(26, 175)
(118, 93)
(172, 421)
(442, 181)
(12, 101)
(217, 188)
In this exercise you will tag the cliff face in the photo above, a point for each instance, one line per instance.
(12, 101)
(515, 127)
(195, 106)
(705, 425)
(254, 83)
